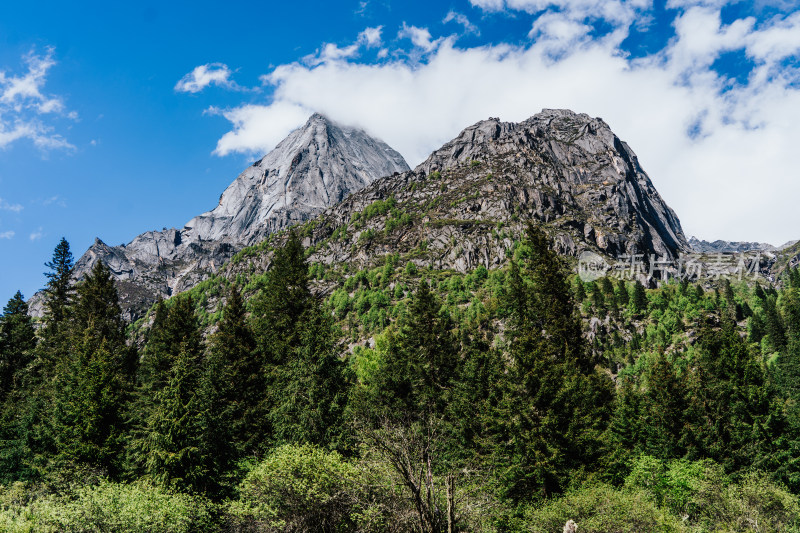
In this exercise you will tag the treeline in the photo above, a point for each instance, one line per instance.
(506, 416)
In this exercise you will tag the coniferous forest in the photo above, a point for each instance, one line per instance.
(512, 399)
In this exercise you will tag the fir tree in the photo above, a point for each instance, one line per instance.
(639, 300)
(172, 444)
(555, 406)
(234, 385)
(17, 341)
(59, 290)
(93, 385)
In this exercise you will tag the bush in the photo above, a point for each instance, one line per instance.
(107, 506)
(602, 509)
(298, 488)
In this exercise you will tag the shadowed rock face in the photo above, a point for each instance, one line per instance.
(464, 206)
(576, 169)
(315, 167)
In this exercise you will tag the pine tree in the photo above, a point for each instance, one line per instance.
(59, 290)
(639, 299)
(17, 345)
(171, 446)
(17, 341)
(280, 304)
(421, 360)
(92, 386)
(555, 405)
(312, 387)
(234, 386)
(622, 293)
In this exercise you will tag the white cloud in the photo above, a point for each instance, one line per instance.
(205, 75)
(259, 128)
(36, 235)
(420, 37)
(721, 154)
(5, 206)
(371, 37)
(7, 235)
(23, 104)
(462, 19)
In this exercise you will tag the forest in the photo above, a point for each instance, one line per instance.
(511, 399)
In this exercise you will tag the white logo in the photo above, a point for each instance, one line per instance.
(591, 266)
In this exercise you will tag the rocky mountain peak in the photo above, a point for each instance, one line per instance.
(315, 167)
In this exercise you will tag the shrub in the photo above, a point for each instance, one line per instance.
(107, 506)
(298, 488)
(602, 509)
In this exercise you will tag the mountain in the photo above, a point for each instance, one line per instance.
(728, 247)
(315, 167)
(464, 205)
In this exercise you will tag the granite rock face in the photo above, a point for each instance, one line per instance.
(315, 167)
(465, 205)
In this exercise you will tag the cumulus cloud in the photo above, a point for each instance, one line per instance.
(36, 235)
(258, 128)
(721, 153)
(205, 75)
(24, 105)
(7, 235)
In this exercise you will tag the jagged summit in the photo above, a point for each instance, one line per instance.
(315, 167)
(581, 171)
(466, 204)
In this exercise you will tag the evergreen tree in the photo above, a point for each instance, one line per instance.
(17, 345)
(555, 406)
(421, 360)
(59, 289)
(639, 300)
(280, 304)
(17, 341)
(172, 444)
(622, 293)
(92, 386)
(234, 385)
(311, 389)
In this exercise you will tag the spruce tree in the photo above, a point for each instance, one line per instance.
(171, 446)
(17, 341)
(92, 386)
(233, 386)
(555, 405)
(639, 300)
(59, 289)
(311, 387)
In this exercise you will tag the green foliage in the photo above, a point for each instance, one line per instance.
(170, 448)
(107, 506)
(299, 488)
(554, 405)
(601, 509)
(17, 341)
(93, 385)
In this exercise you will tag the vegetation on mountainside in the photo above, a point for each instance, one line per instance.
(405, 399)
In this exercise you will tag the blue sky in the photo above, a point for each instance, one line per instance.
(117, 118)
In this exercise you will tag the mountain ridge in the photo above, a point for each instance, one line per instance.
(315, 166)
